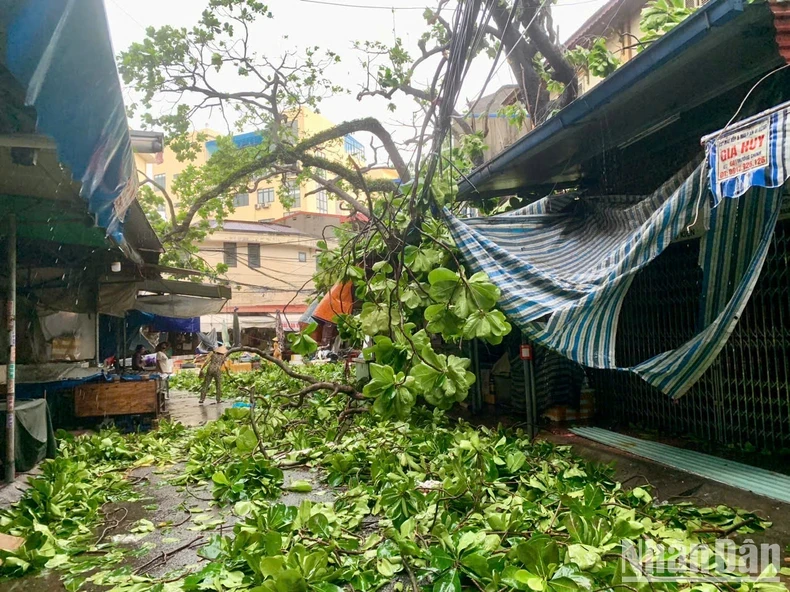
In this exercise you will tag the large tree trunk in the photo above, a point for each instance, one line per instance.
(520, 55)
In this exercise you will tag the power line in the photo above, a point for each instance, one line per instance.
(393, 8)
(368, 6)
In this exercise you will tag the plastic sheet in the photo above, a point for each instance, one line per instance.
(61, 53)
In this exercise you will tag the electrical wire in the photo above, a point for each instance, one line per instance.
(395, 8)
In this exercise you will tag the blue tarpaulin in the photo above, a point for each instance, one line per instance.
(60, 52)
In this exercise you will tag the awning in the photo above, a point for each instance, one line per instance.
(60, 52)
(166, 298)
(339, 300)
(178, 306)
(218, 321)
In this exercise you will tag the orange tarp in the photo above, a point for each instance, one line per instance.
(339, 300)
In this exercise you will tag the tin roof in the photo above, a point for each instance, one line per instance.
(685, 85)
(257, 227)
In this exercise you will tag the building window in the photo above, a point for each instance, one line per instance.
(241, 199)
(253, 255)
(302, 257)
(354, 147)
(266, 196)
(161, 180)
(292, 128)
(320, 173)
(229, 254)
(295, 193)
(322, 201)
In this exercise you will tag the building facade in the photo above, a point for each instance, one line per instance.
(265, 202)
(618, 22)
(270, 266)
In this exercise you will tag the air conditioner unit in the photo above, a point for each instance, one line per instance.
(262, 206)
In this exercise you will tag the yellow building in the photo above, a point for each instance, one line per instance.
(270, 250)
(265, 203)
(618, 22)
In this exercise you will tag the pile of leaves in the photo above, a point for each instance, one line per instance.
(429, 503)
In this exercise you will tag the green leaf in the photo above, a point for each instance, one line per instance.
(563, 585)
(584, 556)
(477, 563)
(627, 529)
(444, 283)
(299, 486)
(449, 582)
(290, 580)
(246, 441)
(242, 508)
(271, 566)
(319, 525)
(540, 554)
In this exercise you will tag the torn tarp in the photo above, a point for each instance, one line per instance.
(61, 53)
(564, 266)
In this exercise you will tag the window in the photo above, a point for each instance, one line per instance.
(253, 255)
(161, 180)
(302, 257)
(265, 196)
(241, 199)
(322, 201)
(295, 193)
(229, 254)
(320, 173)
(354, 148)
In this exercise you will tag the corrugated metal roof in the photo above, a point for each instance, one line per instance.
(257, 227)
(766, 483)
(782, 25)
(724, 44)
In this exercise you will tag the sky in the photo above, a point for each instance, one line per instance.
(335, 25)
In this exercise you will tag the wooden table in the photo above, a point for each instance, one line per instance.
(101, 399)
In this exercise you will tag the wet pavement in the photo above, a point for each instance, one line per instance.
(184, 407)
(184, 519)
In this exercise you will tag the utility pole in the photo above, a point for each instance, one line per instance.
(10, 453)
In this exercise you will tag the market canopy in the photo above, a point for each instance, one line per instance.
(60, 57)
(564, 264)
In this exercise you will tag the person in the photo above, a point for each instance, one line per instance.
(137, 358)
(211, 370)
(163, 368)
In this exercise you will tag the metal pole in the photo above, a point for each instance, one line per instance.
(98, 326)
(10, 452)
(530, 404)
(123, 346)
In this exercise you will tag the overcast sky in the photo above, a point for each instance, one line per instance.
(333, 27)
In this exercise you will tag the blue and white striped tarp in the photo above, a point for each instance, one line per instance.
(564, 266)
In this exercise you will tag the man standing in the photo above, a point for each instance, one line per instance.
(164, 368)
(211, 371)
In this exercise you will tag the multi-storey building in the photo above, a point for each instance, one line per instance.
(270, 253)
(617, 22)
